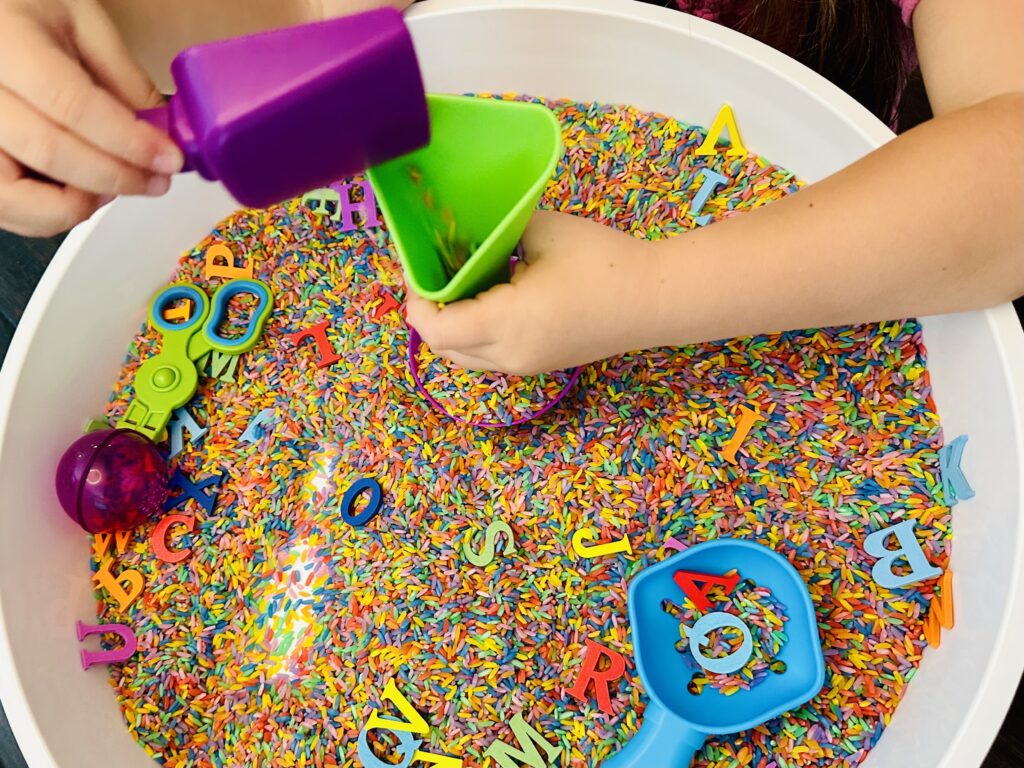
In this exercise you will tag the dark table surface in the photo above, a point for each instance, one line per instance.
(22, 263)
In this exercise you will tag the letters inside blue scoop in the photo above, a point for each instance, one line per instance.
(665, 671)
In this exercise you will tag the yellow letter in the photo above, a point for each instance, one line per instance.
(725, 119)
(414, 722)
(228, 268)
(598, 550)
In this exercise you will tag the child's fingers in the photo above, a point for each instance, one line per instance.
(58, 87)
(469, 362)
(35, 142)
(36, 209)
(460, 326)
(106, 56)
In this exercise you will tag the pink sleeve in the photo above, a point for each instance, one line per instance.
(907, 7)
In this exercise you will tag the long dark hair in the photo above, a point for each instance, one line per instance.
(857, 44)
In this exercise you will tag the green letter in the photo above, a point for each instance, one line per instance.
(487, 555)
(510, 757)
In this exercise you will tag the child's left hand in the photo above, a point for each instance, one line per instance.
(580, 296)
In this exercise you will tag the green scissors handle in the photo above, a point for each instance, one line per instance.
(169, 379)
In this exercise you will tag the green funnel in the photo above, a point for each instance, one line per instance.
(457, 207)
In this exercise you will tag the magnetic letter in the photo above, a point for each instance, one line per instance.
(218, 365)
(688, 581)
(367, 206)
(413, 723)
(602, 679)
(583, 549)
(954, 482)
(743, 426)
(725, 119)
(486, 556)
(932, 625)
(190, 490)
(318, 200)
(220, 262)
(946, 615)
(159, 538)
(673, 543)
(254, 430)
(101, 542)
(444, 761)
(407, 745)
(318, 333)
(388, 303)
(125, 595)
(909, 549)
(180, 421)
(698, 635)
(181, 312)
(372, 506)
(511, 757)
(712, 181)
(123, 653)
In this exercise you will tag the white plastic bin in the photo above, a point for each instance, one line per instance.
(91, 300)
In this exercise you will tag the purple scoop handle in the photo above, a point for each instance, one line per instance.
(276, 114)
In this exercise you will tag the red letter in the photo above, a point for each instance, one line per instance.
(688, 580)
(318, 333)
(158, 539)
(602, 679)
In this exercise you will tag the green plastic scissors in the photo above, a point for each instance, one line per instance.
(169, 379)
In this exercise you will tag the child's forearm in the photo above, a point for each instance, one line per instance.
(156, 32)
(930, 223)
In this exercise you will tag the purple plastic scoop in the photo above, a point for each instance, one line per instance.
(276, 114)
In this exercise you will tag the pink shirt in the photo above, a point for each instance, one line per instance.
(726, 12)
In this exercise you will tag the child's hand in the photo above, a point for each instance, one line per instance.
(68, 91)
(582, 295)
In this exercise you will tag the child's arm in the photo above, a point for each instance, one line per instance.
(156, 32)
(929, 223)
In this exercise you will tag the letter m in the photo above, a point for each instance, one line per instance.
(511, 757)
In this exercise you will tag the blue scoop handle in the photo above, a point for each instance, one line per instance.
(663, 740)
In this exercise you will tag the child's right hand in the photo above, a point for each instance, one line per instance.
(68, 94)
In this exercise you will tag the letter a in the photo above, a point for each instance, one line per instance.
(725, 119)
(688, 580)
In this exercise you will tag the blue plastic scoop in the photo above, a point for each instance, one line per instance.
(677, 722)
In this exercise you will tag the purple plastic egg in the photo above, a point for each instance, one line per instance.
(112, 480)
